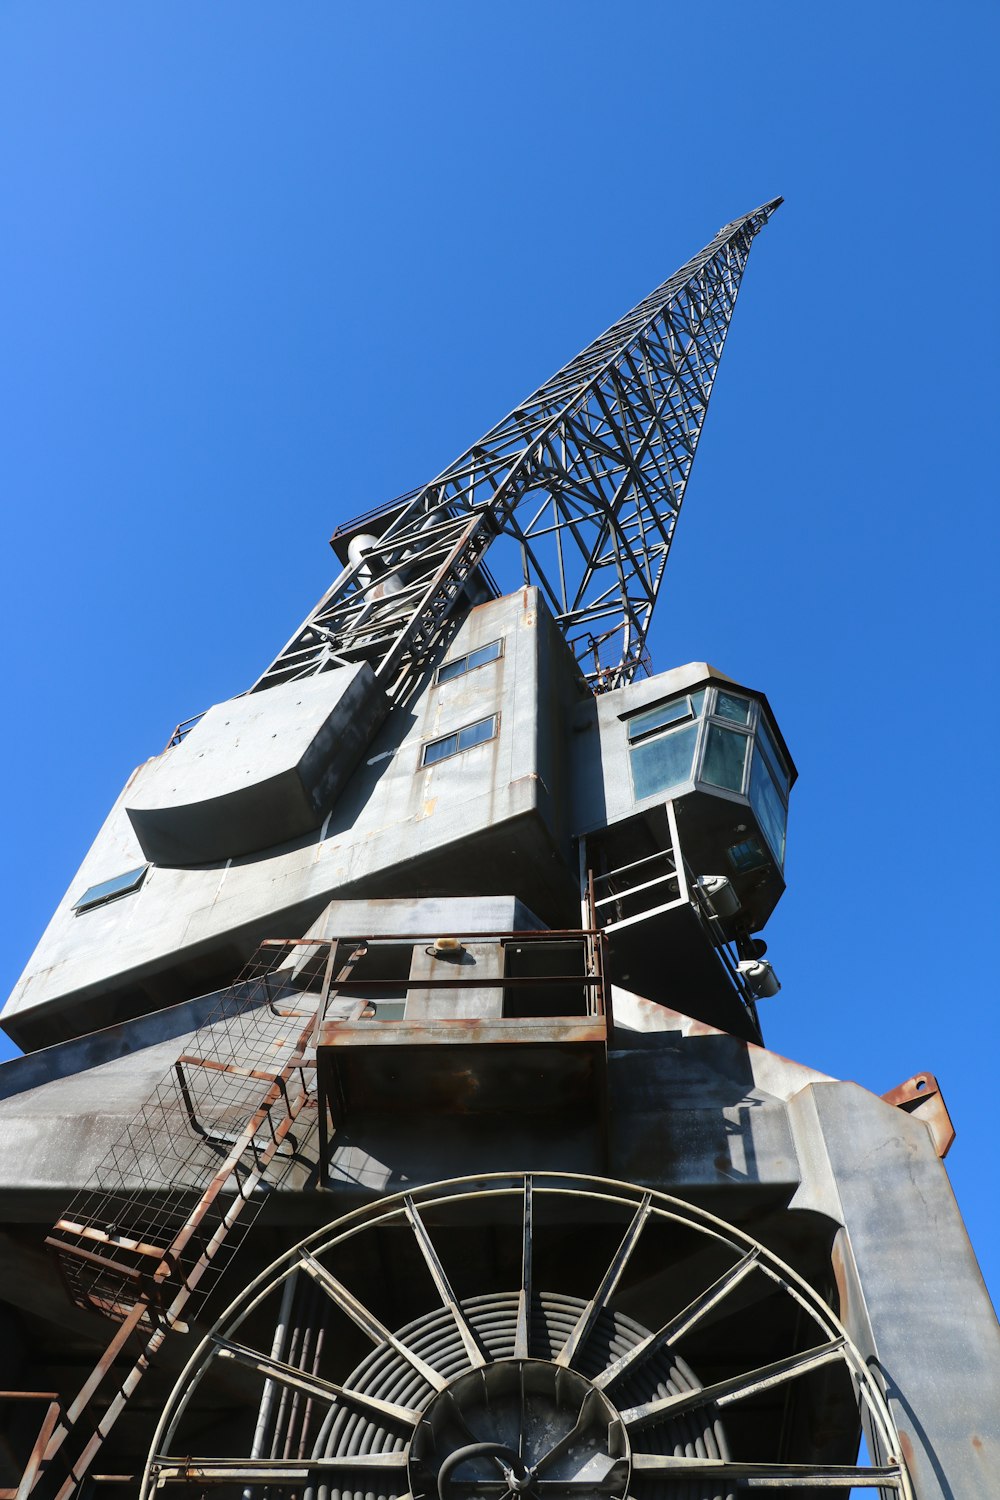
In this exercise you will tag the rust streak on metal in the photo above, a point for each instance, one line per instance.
(459, 1030)
(530, 934)
(921, 1096)
(41, 1442)
(221, 1067)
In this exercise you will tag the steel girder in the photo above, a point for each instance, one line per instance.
(587, 476)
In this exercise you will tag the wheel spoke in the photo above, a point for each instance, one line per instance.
(605, 1291)
(568, 1439)
(612, 1485)
(522, 1336)
(367, 1321)
(579, 1487)
(205, 1471)
(737, 1387)
(311, 1385)
(675, 1329)
(495, 1487)
(473, 1348)
(538, 1427)
(769, 1476)
(458, 1417)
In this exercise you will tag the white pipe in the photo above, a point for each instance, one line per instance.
(270, 1386)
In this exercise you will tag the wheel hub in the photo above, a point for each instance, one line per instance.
(527, 1423)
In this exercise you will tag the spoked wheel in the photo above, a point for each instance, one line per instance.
(537, 1336)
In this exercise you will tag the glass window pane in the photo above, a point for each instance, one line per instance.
(731, 706)
(440, 749)
(697, 700)
(725, 757)
(463, 664)
(775, 760)
(475, 734)
(484, 654)
(768, 806)
(453, 669)
(747, 855)
(656, 718)
(663, 762)
(107, 890)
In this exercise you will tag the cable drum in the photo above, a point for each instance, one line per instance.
(383, 1382)
(388, 1376)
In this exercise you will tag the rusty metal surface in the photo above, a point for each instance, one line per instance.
(921, 1097)
(511, 1032)
(122, 1255)
(48, 1423)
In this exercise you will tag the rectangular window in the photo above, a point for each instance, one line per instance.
(725, 758)
(775, 761)
(110, 890)
(663, 762)
(673, 712)
(766, 802)
(468, 663)
(459, 739)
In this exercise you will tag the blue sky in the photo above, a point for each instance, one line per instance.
(263, 267)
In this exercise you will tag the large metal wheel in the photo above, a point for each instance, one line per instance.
(533, 1335)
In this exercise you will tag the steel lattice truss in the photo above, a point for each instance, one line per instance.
(587, 476)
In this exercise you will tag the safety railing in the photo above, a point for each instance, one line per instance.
(639, 890)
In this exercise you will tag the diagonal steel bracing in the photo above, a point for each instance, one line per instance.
(587, 476)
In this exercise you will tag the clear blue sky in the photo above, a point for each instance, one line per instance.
(265, 266)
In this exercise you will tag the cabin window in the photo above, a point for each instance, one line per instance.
(468, 663)
(725, 758)
(662, 743)
(775, 760)
(459, 740)
(732, 706)
(769, 805)
(664, 761)
(748, 854)
(665, 715)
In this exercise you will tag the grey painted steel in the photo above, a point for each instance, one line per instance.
(493, 819)
(352, 836)
(248, 777)
(911, 1289)
(691, 1109)
(505, 812)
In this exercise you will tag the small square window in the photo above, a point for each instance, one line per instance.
(748, 855)
(731, 706)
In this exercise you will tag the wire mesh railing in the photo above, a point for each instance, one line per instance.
(171, 1199)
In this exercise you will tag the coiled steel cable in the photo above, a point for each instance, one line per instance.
(387, 1375)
